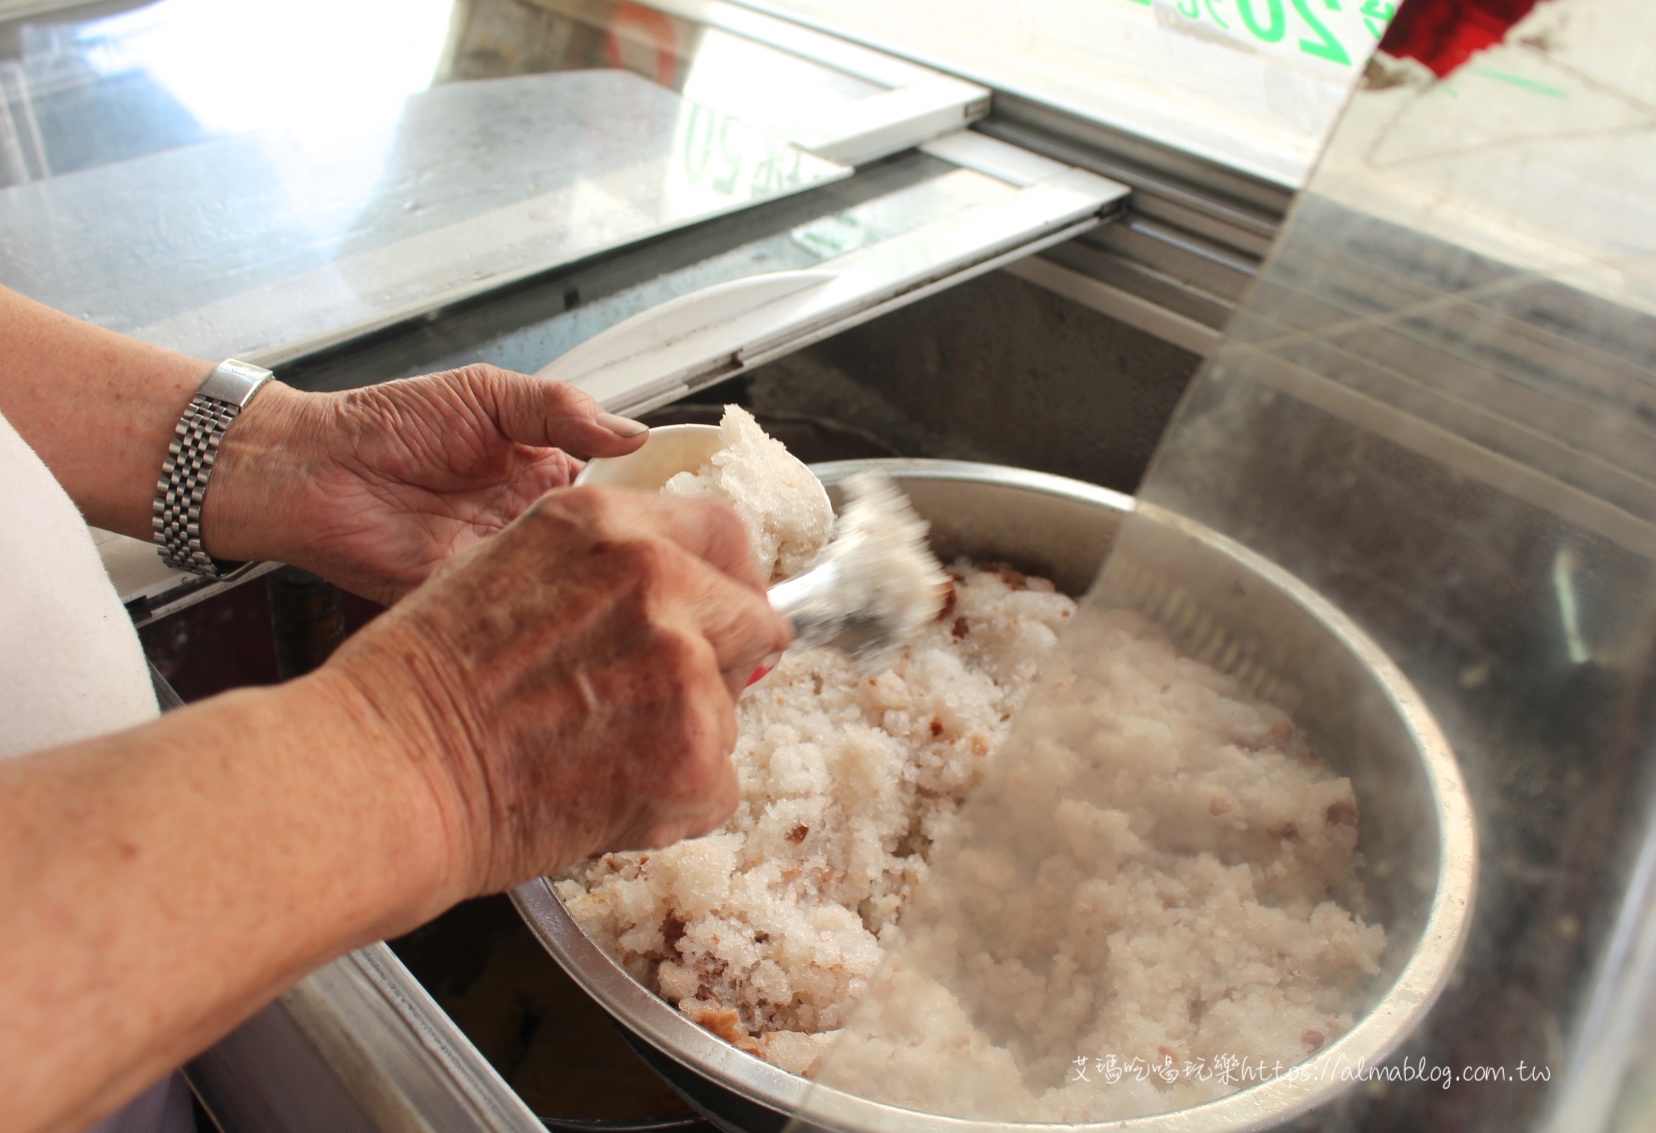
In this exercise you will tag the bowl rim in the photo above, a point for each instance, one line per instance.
(1375, 1036)
(599, 463)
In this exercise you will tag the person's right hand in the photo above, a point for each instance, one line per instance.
(568, 686)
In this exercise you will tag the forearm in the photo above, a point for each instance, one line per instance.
(97, 406)
(372, 488)
(163, 883)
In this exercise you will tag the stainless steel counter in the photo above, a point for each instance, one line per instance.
(359, 1047)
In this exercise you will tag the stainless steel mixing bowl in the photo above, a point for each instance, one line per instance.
(1236, 610)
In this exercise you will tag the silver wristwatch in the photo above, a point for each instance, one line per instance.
(190, 457)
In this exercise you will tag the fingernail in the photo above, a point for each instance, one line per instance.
(764, 669)
(621, 426)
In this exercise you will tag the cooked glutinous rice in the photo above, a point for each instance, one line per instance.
(1190, 905)
(781, 503)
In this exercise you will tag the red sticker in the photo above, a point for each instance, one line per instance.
(1443, 34)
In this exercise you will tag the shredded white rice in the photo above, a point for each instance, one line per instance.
(1187, 904)
(1192, 908)
(767, 931)
(886, 583)
(782, 504)
(1160, 877)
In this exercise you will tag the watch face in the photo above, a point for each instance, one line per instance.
(234, 382)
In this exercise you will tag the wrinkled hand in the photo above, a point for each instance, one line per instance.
(569, 686)
(375, 487)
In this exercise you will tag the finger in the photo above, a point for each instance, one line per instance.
(544, 469)
(697, 790)
(709, 529)
(714, 588)
(548, 414)
(738, 623)
(718, 805)
(710, 772)
(723, 598)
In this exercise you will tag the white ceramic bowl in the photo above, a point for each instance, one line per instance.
(667, 451)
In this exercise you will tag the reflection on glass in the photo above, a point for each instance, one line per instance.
(764, 86)
(81, 94)
(761, 85)
(297, 178)
(252, 64)
(1255, 84)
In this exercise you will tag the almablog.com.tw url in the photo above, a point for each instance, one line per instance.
(1234, 1070)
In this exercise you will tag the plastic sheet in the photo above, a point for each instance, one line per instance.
(1434, 413)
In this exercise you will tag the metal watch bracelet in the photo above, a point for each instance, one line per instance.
(183, 485)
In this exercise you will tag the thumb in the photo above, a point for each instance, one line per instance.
(547, 414)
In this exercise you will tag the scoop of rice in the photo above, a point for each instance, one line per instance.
(781, 502)
(885, 582)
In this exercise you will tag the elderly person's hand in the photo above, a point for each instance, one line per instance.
(564, 687)
(373, 488)
(569, 686)
(560, 679)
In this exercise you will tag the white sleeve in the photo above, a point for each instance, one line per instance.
(71, 665)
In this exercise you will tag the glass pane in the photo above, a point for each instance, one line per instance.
(1254, 84)
(80, 93)
(1389, 587)
(764, 86)
(254, 177)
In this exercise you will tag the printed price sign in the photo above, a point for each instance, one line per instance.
(1339, 33)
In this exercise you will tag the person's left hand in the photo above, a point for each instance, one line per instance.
(373, 488)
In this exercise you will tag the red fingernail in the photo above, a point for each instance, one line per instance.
(765, 666)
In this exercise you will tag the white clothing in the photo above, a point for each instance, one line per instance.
(71, 665)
